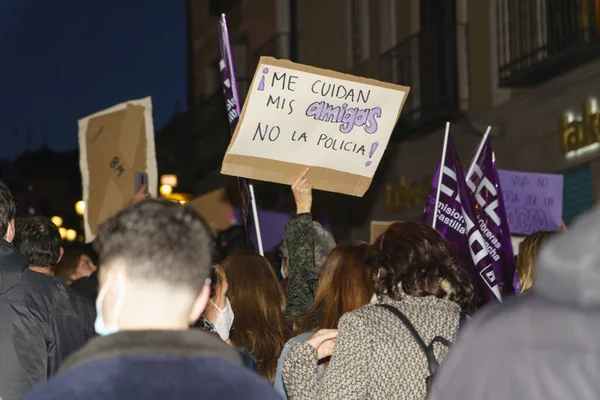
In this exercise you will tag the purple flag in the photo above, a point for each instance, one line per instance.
(272, 227)
(451, 212)
(484, 184)
(232, 102)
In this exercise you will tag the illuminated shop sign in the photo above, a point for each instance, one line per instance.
(580, 133)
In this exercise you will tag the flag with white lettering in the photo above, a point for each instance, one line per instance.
(450, 211)
(484, 185)
(232, 103)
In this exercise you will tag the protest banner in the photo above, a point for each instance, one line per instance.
(116, 153)
(215, 208)
(297, 116)
(378, 228)
(533, 201)
(484, 185)
(450, 211)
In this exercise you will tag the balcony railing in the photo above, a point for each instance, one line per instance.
(434, 63)
(540, 39)
(278, 46)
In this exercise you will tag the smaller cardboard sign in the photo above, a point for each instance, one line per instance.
(116, 151)
(215, 208)
(378, 228)
(533, 201)
(297, 116)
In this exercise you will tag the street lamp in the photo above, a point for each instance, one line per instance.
(56, 220)
(80, 208)
(63, 232)
(169, 179)
(71, 235)
(166, 190)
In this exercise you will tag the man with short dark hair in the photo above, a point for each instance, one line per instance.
(155, 259)
(36, 316)
(39, 240)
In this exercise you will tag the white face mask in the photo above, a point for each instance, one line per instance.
(100, 325)
(225, 320)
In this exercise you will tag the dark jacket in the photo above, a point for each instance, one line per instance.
(42, 321)
(247, 359)
(542, 345)
(155, 365)
(87, 287)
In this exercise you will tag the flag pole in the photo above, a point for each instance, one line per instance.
(441, 174)
(478, 153)
(228, 59)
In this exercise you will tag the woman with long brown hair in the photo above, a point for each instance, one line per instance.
(258, 303)
(345, 284)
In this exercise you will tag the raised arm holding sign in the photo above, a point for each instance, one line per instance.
(297, 116)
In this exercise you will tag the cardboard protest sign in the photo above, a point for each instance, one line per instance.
(215, 208)
(533, 201)
(297, 116)
(378, 228)
(116, 156)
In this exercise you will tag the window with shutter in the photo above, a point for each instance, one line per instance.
(578, 195)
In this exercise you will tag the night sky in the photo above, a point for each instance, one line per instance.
(62, 60)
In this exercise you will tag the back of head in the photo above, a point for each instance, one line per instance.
(8, 211)
(229, 237)
(68, 264)
(567, 269)
(528, 252)
(345, 284)
(324, 244)
(39, 240)
(258, 303)
(162, 250)
(421, 260)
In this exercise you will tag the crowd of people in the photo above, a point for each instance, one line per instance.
(182, 315)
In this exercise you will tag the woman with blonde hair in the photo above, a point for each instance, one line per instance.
(258, 304)
(528, 251)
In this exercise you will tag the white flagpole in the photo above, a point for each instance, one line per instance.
(477, 153)
(255, 217)
(441, 174)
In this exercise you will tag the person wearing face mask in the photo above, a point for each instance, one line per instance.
(155, 264)
(218, 316)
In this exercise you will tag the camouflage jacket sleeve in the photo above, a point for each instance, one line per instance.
(301, 266)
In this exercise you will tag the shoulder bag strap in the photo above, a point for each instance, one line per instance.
(428, 350)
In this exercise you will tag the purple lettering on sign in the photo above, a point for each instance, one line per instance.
(261, 84)
(371, 152)
(348, 118)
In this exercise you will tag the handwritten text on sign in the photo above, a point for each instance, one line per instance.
(309, 119)
(533, 201)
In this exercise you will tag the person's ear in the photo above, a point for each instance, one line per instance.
(10, 232)
(200, 304)
(60, 256)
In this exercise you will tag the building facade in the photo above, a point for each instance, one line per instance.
(528, 68)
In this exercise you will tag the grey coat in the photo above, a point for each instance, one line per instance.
(542, 346)
(375, 356)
